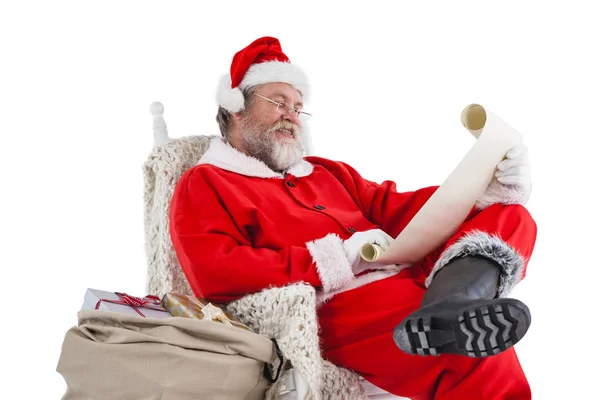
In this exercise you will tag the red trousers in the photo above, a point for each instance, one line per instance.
(357, 325)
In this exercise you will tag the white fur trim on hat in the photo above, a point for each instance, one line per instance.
(276, 71)
(230, 99)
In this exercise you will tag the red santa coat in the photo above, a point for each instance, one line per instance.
(238, 227)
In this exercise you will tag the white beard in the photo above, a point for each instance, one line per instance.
(285, 155)
(264, 146)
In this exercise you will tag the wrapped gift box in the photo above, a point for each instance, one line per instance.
(180, 305)
(149, 307)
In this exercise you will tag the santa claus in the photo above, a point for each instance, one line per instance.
(256, 212)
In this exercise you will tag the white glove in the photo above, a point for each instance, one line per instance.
(512, 180)
(354, 244)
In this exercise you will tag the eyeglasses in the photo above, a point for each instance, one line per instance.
(284, 108)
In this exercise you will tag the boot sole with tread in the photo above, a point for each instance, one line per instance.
(475, 328)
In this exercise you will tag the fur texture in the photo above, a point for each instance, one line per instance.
(162, 170)
(333, 266)
(298, 339)
(287, 314)
(232, 99)
(264, 312)
(229, 98)
(277, 71)
(478, 243)
(224, 156)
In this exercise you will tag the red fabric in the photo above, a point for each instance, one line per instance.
(356, 329)
(235, 234)
(259, 51)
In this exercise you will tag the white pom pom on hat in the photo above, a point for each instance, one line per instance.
(230, 99)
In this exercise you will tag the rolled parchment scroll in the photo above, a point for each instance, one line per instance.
(447, 208)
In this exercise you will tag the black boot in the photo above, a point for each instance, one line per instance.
(459, 313)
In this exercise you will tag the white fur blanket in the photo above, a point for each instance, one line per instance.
(287, 314)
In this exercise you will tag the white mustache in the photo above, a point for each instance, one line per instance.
(285, 125)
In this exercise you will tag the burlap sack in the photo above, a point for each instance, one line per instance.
(116, 356)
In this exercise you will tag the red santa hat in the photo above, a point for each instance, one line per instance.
(262, 61)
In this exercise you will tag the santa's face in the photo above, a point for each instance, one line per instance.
(271, 133)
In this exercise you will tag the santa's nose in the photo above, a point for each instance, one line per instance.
(292, 117)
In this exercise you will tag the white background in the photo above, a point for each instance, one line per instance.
(389, 83)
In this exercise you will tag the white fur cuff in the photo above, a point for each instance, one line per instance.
(479, 243)
(332, 265)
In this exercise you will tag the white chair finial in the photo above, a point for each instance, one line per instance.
(161, 136)
(157, 108)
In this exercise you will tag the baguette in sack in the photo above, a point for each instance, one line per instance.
(181, 305)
